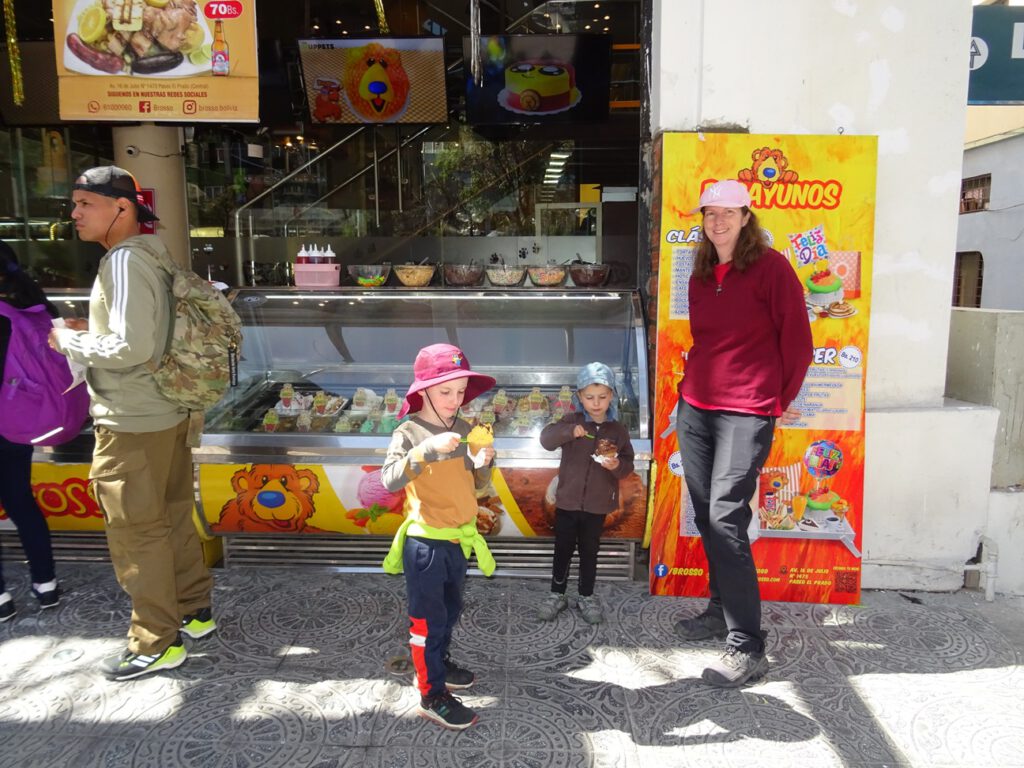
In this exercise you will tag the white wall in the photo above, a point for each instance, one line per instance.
(998, 233)
(897, 69)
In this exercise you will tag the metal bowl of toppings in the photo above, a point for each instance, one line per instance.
(548, 276)
(506, 276)
(369, 275)
(415, 275)
(463, 274)
(588, 275)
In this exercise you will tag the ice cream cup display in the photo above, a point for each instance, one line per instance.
(287, 393)
(320, 402)
(304, 422)
(271, 421)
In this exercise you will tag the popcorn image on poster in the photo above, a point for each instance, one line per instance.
(809, 246)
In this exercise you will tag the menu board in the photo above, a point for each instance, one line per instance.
(814, 197)
(148, 60)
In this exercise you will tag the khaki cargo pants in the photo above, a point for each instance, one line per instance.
(143, 484)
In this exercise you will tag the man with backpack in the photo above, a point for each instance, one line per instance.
(142, 467)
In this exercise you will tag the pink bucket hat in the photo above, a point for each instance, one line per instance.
(439, 363)
(727, 193)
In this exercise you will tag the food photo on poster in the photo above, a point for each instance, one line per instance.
(168, 38)
(540, 78)
(374, 80)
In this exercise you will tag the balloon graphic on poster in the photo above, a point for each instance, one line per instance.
(823, 458)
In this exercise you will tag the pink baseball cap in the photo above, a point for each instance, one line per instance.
(439, 363)
(727, 193)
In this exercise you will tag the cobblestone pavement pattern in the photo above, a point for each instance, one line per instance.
(296, 676)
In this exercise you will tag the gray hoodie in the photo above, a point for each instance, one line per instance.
(129, 324)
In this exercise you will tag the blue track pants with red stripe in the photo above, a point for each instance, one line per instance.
(435, 575)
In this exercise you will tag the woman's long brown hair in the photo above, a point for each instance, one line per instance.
(748, 249)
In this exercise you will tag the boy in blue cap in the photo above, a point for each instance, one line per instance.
(596, 454)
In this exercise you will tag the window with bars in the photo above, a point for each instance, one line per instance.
(974, 193)
(967, 279)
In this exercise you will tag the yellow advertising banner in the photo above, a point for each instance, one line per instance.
(144, 60)
(63, 494)
(350, 499)
(815, 198)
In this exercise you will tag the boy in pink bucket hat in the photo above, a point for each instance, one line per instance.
(429, 457)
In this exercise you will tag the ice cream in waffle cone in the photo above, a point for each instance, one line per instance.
(480, 437)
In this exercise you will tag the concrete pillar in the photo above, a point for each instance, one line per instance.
(157, 164)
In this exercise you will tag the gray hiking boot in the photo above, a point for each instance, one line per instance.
(590, 608)
(702, 627)
(736, 668)
(552, 605)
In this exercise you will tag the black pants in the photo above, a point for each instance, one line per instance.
(576, 529)
(722, 454)
(20, 506)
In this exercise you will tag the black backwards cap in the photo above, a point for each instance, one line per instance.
(111, 181)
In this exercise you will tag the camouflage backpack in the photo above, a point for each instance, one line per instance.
(202, 347)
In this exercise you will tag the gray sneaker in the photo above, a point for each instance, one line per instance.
(590, 608)
(702, 627)
(553, 605)
(736, 668)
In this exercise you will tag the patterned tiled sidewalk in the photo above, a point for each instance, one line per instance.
(296, 676)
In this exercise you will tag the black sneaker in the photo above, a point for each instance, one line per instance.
(127, 665)
(199, 624)
(49, 598)
(7, 611)
(447, 710)
(455, 677)
(702, 627)
(736, 668)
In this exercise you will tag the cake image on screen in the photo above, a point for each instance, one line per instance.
(539, 87)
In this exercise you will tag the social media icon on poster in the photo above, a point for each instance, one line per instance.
(660, 570)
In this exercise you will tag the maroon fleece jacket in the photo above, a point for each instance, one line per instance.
(751, 338)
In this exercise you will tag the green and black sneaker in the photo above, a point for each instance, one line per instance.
(127, 665)
(199, 624)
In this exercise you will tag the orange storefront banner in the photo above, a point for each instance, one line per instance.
(143, 60)
(815, 197)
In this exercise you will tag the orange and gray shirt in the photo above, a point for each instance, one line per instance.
(441, 490)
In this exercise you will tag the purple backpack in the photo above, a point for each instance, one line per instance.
(33, 407)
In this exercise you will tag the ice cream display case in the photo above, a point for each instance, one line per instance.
(296, 446)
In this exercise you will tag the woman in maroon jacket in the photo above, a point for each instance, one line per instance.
(751, 349)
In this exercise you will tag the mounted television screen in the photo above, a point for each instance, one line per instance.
(375, 80)
(539, 79)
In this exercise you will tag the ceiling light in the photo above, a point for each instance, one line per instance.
(587, 27)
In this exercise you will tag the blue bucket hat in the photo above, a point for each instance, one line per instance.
(596, 373)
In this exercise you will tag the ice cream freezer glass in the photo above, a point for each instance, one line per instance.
(356, 346)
